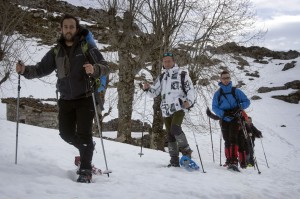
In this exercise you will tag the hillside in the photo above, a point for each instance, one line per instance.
(45, 163)
(45, 166)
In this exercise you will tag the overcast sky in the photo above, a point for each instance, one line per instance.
(280, 17)
(282, 20)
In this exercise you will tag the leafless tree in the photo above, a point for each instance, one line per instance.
(132, 46)
(164, 19)
(11, 16)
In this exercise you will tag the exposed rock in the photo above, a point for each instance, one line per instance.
(256, 52)
(294, 84)
(269, 89)
(215, 77)
(241, 62)
(255, 74)
(240, 84)
(203, 82)
(261, 61)
(289, 65)
(255, 97)
(291, 98)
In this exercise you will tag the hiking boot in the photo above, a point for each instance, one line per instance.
(234, 161)
(243, 165)
(77, 161)
(174, 162)
(85, 176)
(187, 151)
(226, 163)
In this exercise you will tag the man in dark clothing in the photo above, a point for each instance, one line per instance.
(227, 107)
(76, 72)
(253, 132)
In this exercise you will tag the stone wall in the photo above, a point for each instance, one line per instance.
(32, 116)
(38, 113)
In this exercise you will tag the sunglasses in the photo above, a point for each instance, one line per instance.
(225, 78)
(168, 55)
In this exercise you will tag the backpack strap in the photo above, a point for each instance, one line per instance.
(182, 78)
(161, 77)
(182, 75)
(224, 94)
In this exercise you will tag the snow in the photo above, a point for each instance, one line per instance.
(45, 163)
(45, 167)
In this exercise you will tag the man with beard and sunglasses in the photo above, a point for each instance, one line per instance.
(76, 72)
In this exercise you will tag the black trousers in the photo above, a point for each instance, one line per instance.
(230, 131)
(75, 126)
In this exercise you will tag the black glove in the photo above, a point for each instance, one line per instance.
(211, 115)
(232, 112)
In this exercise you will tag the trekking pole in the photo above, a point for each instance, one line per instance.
(220, 148)
(199, 153)
(246, 136)
(264, 152)
(107, 171)
(212, 144)
(17, 118)
(197, 146)
(141, 153)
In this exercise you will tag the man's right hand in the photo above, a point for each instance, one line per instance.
(20, 67)
(146, 86)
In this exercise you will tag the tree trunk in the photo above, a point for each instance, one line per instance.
(158, 137)
(126, 94)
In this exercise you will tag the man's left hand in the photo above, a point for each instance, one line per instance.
(186, 104)
(89, 69)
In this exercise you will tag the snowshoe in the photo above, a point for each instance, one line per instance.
(188, 163)
(95, 170)
(233, 167)
(173, 165)
(85, 176)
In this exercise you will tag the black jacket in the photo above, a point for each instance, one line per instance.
(73, 82)
(255, 133)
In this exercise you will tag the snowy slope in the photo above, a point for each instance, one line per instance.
(45, 166)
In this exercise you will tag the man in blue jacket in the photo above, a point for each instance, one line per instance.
(227, 104)
(76, 73)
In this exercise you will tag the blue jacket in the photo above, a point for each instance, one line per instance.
(229, 102)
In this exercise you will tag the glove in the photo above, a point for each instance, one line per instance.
(211, 115)
(229, 113)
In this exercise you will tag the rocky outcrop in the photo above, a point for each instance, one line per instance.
(288, 66)
(293, 97)
(293, 85)
(256, 52)
(290, 98)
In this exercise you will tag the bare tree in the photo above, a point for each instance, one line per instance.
(11, 42)
(164, 19)
(132, 46)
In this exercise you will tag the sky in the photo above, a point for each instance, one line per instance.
(282, 20)
(45, 164)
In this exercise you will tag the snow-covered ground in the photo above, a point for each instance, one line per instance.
(45, 166)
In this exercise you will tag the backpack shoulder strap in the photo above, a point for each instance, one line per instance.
(222, 93)
(233, 92)
(56, 50)
(161, 76)
(182, 77)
